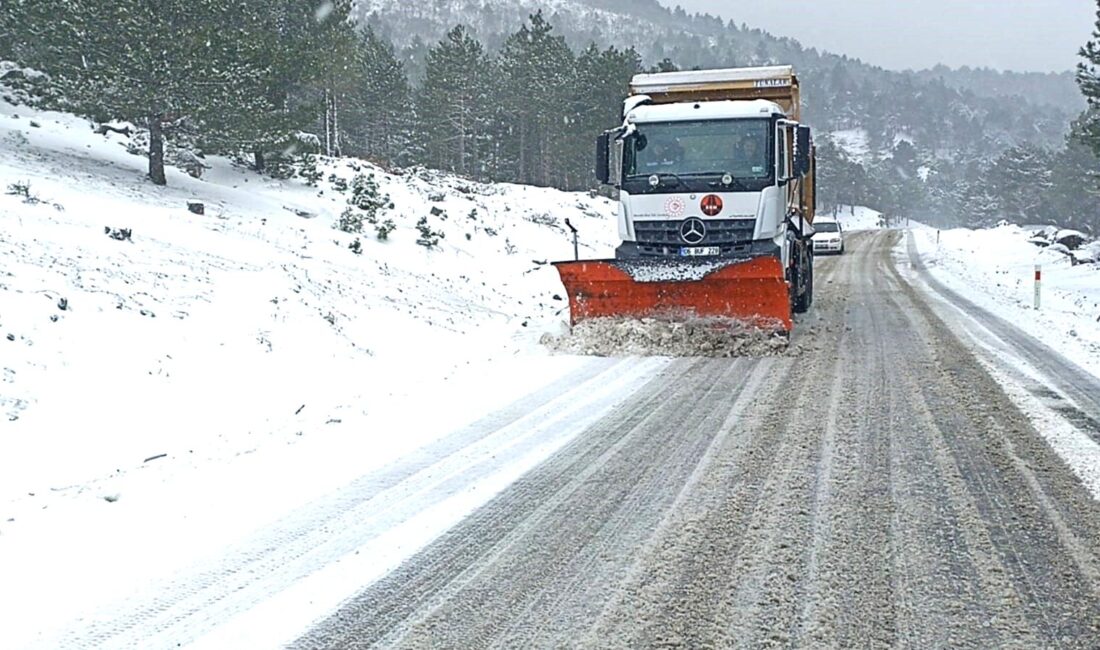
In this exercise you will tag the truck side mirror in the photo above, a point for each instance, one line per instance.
(803, 147)
(603, 158)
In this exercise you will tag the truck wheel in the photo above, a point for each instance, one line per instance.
(805, 276)
(810, 282)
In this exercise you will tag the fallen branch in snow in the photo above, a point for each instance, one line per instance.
(103, 129)
(299, 409)
(305, 214)
(155, 457)
(23, 189)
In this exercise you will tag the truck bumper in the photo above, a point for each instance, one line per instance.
(629, 250)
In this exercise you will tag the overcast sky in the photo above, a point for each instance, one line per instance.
(1024, 35)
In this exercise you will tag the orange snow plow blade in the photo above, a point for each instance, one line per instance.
(752, 291)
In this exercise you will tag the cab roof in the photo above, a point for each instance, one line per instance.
(691, 111)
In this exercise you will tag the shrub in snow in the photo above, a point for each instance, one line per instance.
(356, 247)
(366, 196)
(428, 238)
(23, 189)
(339, 183)
(383, 230)
(17, 139)
(121, 234)
(281, 158)
(307, 169)
(543, 220)
(350, 221)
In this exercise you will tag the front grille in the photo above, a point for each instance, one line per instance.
(663, 237)
(719, 232)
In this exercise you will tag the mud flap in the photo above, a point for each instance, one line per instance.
(753, 290)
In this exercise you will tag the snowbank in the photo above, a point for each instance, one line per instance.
(995, 268)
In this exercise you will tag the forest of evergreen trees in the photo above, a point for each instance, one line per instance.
(261, 77)
(271, 81)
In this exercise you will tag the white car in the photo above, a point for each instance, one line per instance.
(828, 237)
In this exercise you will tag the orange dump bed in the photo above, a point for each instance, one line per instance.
(752, 290)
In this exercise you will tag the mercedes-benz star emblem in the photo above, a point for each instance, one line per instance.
(693, 231)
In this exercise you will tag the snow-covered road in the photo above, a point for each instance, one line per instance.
(265, 589)
(875, 487)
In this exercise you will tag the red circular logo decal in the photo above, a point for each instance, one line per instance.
(711, 205)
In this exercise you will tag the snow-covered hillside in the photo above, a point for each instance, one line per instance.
(853, 142)
(159, 366)
(490, 18)
(995, 268)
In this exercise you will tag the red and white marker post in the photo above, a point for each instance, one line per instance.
(1038, 283)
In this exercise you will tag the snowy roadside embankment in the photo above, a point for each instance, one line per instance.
(855, 217)
(170, 381)
(995, 268)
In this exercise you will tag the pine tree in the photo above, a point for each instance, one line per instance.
(452, 104)
(1073, 199)
(154, 64)
(601, 84)
(537, 68)
(1088, 78)
(289, 45)
(341, 75)
(664, 65)
(1020, 177)
(9, 21)
(840, 180)
(383, 101)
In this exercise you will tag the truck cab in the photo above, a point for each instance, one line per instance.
(711, 165)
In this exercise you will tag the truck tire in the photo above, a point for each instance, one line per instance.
(804, 276)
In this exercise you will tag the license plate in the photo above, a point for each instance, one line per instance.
(699, 251)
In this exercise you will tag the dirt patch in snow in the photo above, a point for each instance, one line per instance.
(697, 337)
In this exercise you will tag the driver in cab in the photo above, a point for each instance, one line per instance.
(748, 159)
(666, 156)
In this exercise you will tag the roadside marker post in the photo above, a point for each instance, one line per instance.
(1038, 283)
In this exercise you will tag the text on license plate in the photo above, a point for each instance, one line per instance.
(699, 251)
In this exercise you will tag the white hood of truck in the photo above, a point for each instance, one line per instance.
(675, 207)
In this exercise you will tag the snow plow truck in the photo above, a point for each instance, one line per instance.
(715, 177)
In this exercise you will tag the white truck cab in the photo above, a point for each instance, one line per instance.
(714, 164)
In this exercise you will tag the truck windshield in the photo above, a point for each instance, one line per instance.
(740, 147)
